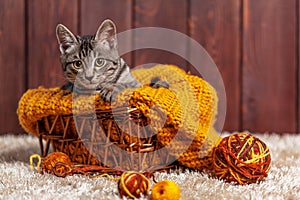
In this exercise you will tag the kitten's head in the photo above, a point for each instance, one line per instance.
(90, 60)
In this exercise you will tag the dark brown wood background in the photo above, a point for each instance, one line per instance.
(254, 43)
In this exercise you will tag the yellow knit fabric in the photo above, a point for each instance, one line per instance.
(182, 115)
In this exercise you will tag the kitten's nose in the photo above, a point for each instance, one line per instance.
(89, 78)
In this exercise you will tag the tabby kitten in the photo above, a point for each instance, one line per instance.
(92, 64)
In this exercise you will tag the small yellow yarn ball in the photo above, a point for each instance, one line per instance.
(241, 158)
(165, 190)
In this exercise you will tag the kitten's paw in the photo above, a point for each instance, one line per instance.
(113, 96)
(117, 89)
(110, 93)
(107, 96)
(157, 83)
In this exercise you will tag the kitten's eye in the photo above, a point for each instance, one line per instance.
(100, 62)
(77, 64)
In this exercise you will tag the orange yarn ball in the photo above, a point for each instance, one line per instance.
(241, 158)
(57, 163)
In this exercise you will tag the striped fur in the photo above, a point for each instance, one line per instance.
(92, 64)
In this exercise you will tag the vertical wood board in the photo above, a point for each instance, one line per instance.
(44, 66)
(216, 26)
(12, 62)
(168, 14)
(269, 66)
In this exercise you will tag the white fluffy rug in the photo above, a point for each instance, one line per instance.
(17, 181)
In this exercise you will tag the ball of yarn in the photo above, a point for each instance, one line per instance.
(241, 158)
(57, 163)
(165, 190)
(133, 185)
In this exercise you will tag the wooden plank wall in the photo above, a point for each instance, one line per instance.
(254, 43)
(270, 65)
(12, 62)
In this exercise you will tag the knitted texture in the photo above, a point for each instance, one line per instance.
(181, 116)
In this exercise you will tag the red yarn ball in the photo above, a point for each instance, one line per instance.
(133, 185)
(241, 158)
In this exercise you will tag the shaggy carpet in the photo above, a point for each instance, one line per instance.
(18, 181)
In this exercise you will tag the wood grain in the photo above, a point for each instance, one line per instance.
(269, 66)
(93, 12)
(44, 66)
(298, 67)
(12, 62)
(171, 14)
(216, 26)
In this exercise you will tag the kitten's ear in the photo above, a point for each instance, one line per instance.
(106, 34)
(66, 40)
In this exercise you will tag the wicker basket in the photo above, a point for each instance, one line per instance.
(105, 138)
(124, 135)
